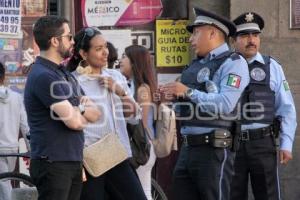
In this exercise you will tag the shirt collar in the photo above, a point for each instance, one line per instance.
(215, 52)
(258, 57)
(219, 50)
(46, 62)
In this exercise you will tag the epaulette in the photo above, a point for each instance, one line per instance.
(235, 56)
(275, 60)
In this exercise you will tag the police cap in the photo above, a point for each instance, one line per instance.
(249, 22)
(204, 17)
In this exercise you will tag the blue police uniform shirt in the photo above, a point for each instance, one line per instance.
(284, 104)
(49, 137)
(228, 96)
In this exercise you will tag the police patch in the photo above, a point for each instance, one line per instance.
(234, 80)
(203, 75)
(286, 85)
(258, 74)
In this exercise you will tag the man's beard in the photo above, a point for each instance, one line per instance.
(63, 52)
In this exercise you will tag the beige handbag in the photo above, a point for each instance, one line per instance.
(105, 153)
(166, 137)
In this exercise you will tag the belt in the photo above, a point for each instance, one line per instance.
(211, 123)
(194, 140)
(255, 134)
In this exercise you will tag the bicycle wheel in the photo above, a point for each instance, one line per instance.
(15, 185)
(157, 192)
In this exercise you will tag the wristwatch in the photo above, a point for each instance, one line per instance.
(81, 108)
(189, 93)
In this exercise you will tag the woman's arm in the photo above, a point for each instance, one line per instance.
(144, 99)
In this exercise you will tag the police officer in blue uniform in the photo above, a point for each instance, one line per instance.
(207, 97)
(268, 109)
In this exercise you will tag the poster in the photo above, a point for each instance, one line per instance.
(119, 38)
(11, 54)
(34, 8)
(119, 12)
(29, 48)
(10, 17)
(172, 43)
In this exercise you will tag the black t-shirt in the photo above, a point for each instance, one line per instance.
(49, 136)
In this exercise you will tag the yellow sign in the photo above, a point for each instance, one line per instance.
(172, 43)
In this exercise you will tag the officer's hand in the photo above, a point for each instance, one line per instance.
(176, 89)
(285, 156)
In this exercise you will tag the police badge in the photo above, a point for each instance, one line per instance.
(258, 74)
(203, 75)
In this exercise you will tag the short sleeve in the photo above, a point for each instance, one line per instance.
(50, 89)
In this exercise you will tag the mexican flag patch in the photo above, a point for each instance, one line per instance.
(234, 80)
(286, 85)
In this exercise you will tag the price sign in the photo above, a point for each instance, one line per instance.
(172, 43)
(10, 17)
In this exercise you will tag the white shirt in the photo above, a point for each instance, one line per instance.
(102, 98)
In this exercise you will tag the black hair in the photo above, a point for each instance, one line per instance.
(2, 72)
(47, 27)
(112, 56)
(82, 41)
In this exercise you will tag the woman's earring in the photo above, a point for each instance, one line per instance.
(83, 68)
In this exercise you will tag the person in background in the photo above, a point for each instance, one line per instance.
(136, 66)
(57, 113)
(13, 120)
(271, 115)
(109, 90)
(112, 60)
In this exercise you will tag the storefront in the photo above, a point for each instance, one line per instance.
(17, 46)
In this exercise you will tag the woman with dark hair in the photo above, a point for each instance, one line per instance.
(108, 89)
(112, 61)
(136, 66)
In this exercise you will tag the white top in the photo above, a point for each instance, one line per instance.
(102, 98)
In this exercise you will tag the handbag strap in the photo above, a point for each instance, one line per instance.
(113, 110)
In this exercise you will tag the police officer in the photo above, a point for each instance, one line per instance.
(268, 109)
(207, 96)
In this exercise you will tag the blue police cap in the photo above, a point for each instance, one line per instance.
(249, 22)
(204, 17)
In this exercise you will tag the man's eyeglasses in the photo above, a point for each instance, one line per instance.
(69, 36)
(90, 32)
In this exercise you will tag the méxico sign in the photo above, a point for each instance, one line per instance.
(119, 12)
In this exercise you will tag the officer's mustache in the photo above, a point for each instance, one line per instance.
(251, 45)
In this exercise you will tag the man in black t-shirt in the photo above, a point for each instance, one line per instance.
(57, 113)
